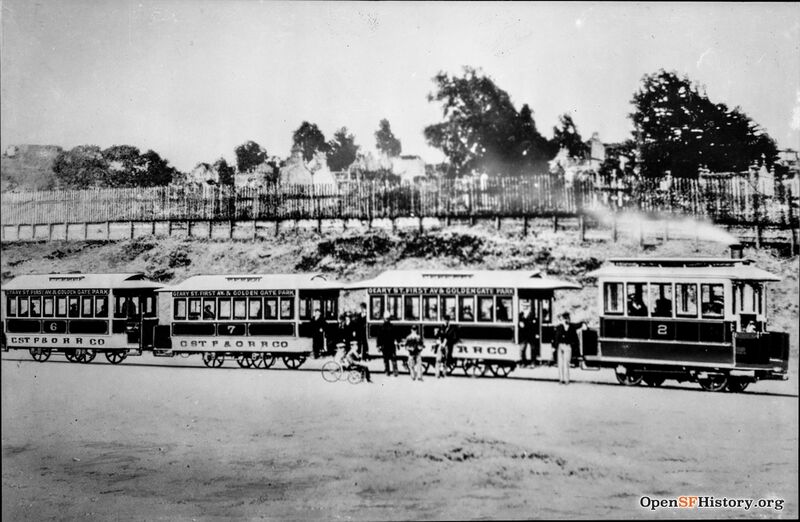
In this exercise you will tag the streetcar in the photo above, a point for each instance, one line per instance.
(696, 320)
(253, 319)
(79, 315)
(484, 305)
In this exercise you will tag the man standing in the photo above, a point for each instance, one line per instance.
(527, 337)
(449, 334)
(414, 347)
(387, 344)
(319, 328)
(360, 326)
(565, 339)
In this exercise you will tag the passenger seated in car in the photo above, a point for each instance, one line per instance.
(636, 307)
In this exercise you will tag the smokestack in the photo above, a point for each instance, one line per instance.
(737, 251)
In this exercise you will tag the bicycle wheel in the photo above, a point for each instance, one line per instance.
(354, 376)
(331, 371)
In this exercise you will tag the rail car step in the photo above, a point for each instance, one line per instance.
(162, 353)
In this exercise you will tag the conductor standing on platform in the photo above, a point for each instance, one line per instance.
(318, 330)
(360, 326)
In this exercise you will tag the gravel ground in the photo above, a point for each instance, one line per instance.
(167, 439)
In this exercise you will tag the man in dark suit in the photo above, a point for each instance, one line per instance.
(319, 327)
(387, 344)
(360, 327)
(449, 333)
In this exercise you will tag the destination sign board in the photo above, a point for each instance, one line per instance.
(440, 290)
(234, 293)
(58, 291)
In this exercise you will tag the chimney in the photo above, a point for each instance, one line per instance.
(737, 251)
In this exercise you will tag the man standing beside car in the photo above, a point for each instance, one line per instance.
(387, 344)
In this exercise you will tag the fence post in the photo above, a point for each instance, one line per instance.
(525, 225)
(582, 227)
(555, 222)
(189, 228)
(614, 227)
(230, 229)
(153, 227)
(210, 228)
(369, 204)
(85, 230)
(790, 218)
(169, 227)
(131, 229)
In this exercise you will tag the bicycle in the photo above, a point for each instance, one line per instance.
(338, 369)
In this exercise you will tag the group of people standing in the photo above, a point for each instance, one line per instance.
(348, 335)
(349, 338)
(389, 339)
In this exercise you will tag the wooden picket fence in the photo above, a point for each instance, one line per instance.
(732, 200)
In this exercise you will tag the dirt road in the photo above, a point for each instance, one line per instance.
(155, 440)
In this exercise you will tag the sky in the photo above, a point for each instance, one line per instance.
(194, 79)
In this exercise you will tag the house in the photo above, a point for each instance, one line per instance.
(408, 168)
(202, 174)
(597, 152)
(298, 172)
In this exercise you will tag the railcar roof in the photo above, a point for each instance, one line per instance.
(255, 282)
(679, 261)
(741, 271)
(524, 279)
(36, 281)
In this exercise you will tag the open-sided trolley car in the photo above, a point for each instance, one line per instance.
(484, 305)
(79, 315)
(698, 320)
(252, 318)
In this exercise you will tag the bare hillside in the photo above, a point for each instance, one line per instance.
(28, 167)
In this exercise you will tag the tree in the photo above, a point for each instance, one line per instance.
(124, 166)
(385, 140)
(482, 130)
(678, 129)
(157, 171)
(81, 167)
(224, 172)
(250, 155)
(310, 139)
(567, 136)
(342, 150)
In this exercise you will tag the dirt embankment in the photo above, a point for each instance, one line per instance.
(359, 254)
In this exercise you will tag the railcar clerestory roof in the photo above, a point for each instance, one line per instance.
(684, 268)
(255, 282)
(36, 281)
(521, 279)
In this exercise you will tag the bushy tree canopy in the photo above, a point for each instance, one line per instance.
(224, 171)
(250, 155)
(342, 150)
(566, 136)
(482, 130)
(309, 138)
(678, 129)
(87, 166)
(385, 140)
(81, 167)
